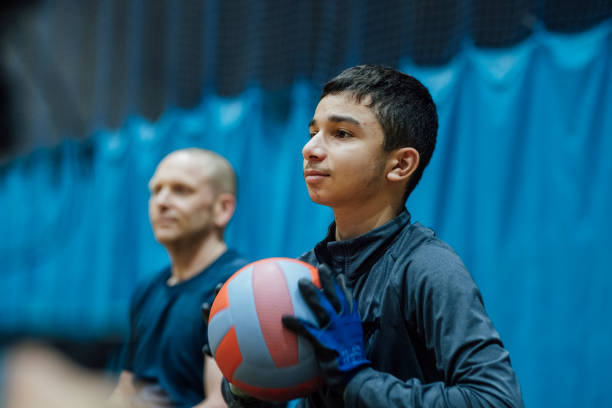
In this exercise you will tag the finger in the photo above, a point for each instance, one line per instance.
(328, 284)
(312, 297)
(206, 350)
(298, 326)
(206, 306)
(308, 330)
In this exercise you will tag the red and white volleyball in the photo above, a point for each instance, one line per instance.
(247, 338)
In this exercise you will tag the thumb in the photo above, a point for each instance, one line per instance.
(206, 306)
(298, 326)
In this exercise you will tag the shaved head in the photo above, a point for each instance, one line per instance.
(214, 167)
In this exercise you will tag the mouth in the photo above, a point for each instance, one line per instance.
(165, 221)
(312, 175)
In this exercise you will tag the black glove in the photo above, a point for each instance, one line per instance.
(338, 339)
(206, 306)
(237, 399)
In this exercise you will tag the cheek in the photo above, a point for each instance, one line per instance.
(363, 173)
(201, 213)
(355, 165)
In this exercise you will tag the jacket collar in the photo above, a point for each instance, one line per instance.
(356, 256)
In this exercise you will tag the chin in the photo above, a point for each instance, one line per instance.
(165, 237)
(318, 198)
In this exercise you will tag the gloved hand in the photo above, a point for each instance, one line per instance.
(206, 306)
(234, 397)
(338, 338)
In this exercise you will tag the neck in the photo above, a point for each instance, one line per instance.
(190, 258)
(354, 221)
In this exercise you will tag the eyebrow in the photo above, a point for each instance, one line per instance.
(337, 118)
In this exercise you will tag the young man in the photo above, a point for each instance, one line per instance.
(193, 197)
(414, 331)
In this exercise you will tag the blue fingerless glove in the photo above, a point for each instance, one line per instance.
(338, 338)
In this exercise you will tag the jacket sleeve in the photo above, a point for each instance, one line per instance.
(442, 303)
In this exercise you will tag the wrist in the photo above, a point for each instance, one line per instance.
(352, 373)
(355, 384)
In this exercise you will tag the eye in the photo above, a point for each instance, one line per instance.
(342, 134)
(181, 189)
(312, 133)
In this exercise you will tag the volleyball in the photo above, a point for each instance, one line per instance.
(253, 349)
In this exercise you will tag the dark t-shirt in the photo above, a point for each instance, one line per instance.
(167, 332)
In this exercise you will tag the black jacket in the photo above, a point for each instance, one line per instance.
(426, 331)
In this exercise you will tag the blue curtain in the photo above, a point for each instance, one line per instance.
(519, 185)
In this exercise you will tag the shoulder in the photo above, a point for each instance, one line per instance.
(419, 246)
(430, 264)
(309, 257)
(146, 285)
(234, 259)
(435, 284)
(226, 265)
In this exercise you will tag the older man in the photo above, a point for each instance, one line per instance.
(193, 197)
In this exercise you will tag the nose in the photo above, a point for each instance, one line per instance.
(314, 150)
(161, 197)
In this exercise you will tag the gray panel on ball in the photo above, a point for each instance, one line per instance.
(277, 377)
(244, 315)
(218, 326)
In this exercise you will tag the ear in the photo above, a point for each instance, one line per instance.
(403, 162)
(223, 209)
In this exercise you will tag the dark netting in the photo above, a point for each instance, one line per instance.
(570, 16)
(435, 46)
(234, 46)
(384, 32)
(502, 23)
(6, 114)
(71, 65)
(84, 69)
(190, 68)
(151, 70)
(277, 43)
(117, 92)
